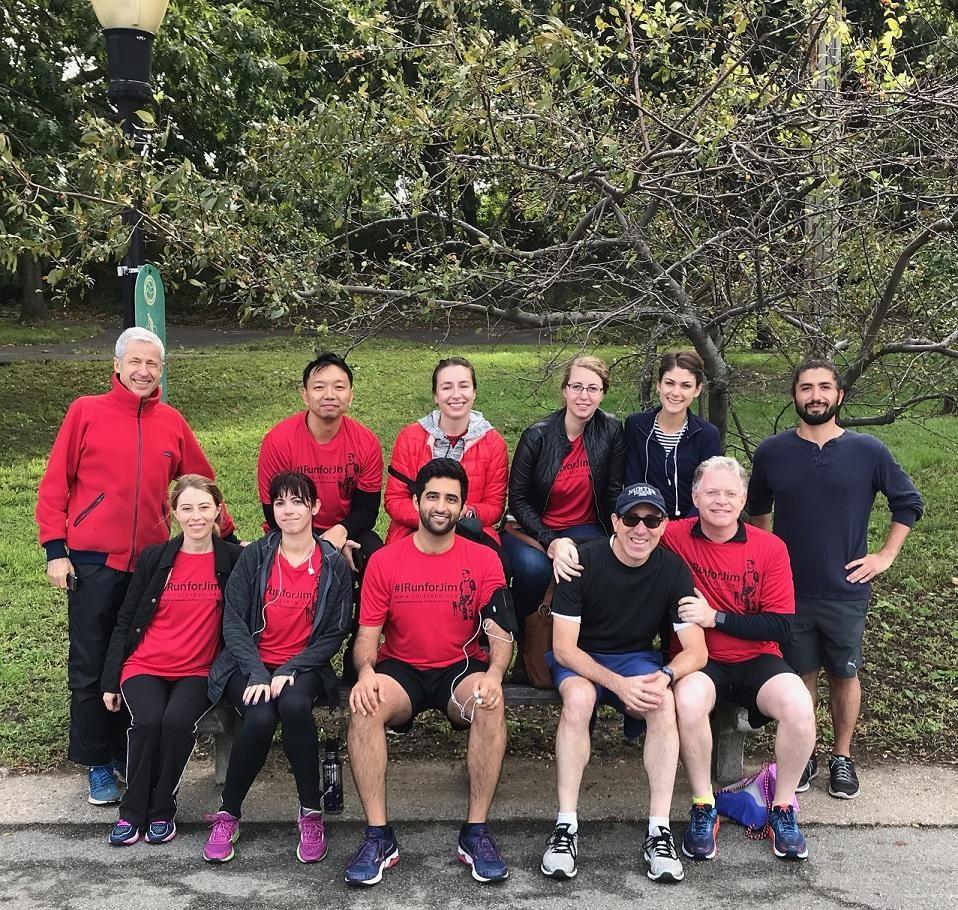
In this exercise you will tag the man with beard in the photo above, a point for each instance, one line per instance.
(431, 658)
(822, 480)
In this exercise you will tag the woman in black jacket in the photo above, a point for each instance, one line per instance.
(565, 476)
(166, 637)
(288, 610)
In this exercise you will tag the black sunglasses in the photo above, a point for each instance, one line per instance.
(650, 521)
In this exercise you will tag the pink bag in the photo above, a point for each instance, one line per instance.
(749, 801)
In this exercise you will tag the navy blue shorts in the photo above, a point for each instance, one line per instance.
(632, 663)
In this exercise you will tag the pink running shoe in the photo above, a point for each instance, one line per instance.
(224, 832)
(312, 837)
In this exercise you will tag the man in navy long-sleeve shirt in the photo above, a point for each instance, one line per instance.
(822, 481)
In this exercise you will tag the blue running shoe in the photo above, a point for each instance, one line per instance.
(123, 834)
(699, 840)
(160, 832)
(376, 854)
(478, 849)
(788, 842)
(103, 786)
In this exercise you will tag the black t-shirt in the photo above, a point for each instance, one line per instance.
(621, 608)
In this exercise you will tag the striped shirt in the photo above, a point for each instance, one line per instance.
(669, 441)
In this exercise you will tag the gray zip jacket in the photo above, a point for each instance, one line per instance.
(244, 619)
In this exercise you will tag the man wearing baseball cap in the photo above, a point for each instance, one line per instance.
(606, 619)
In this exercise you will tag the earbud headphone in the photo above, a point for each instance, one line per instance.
(309, 565)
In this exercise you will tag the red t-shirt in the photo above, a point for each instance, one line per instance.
(184, 635)
(428, 604)
(571, 501)
(352, 460)
(290, 608)
(748, 574)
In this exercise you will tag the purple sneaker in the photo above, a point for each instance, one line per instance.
(312, 837)
(224, 832)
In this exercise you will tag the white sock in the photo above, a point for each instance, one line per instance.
(656, 821)
(568, 818)
(304, 811)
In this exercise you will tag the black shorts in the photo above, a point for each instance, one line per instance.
(429, 688)
(827, 633)
(739, 683)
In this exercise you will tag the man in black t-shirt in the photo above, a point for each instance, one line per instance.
(606, 619)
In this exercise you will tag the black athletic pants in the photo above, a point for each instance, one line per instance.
(97, 736)
(369, 542)
(161, 740)
(294, 708)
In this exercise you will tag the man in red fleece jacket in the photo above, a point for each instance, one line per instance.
(101, 502)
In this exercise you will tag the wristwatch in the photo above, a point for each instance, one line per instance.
(668, 671)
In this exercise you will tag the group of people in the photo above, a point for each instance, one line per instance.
(162, 629)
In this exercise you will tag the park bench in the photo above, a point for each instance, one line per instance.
(729, 726)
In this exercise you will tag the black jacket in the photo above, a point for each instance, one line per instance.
(142, 596)
(244, 612)
(537, 460)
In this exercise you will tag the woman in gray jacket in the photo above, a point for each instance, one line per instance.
(288, 610)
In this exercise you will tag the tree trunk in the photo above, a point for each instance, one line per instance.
(33, 306)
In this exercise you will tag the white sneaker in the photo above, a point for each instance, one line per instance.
(659, 852)
(559, 859)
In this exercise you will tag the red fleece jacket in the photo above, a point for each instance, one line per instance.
(107, 481)
(486, 463)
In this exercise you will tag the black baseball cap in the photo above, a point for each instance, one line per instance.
(638, 494)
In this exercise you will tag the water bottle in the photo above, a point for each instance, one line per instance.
(332, 777)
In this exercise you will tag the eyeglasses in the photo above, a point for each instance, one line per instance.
(577, 388)
(721, 494)
(650, 521)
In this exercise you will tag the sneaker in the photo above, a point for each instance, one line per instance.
(124, 833)
(312, 838)
(809, 774)
(842, 779)
(160, 832)
(479, 850)
(224, 832)
(561, 850)
(376, 854)
(788, 842)
(659, 852)
(103, 786)
(119, 770)
(699, 840)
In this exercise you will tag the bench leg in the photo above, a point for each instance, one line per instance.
(729, 755)
(222, 747)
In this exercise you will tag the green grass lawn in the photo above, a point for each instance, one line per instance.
(232, 396)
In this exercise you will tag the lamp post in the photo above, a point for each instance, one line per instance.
(129, 27)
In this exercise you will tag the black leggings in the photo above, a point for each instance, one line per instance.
(294, 708)
(161, 739)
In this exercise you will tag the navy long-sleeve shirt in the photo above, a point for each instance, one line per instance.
(823, 498)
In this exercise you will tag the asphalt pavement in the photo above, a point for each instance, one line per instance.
(893, 848)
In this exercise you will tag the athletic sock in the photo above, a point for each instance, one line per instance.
(707, 799)
(568, 818)
(384, 831)
(470, 828)
(655, 822)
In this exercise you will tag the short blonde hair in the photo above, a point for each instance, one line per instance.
(595, 364)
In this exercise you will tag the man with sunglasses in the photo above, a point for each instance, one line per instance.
(607, 617)
(745, 606)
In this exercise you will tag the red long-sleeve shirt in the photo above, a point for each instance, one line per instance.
(106, 486)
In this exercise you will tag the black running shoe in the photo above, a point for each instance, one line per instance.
(842, 779)
(809, 774)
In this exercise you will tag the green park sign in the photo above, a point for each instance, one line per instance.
(150, 307)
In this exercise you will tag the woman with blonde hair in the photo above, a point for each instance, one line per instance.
(566, 474)
(167, 634)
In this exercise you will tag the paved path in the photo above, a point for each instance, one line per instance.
(71, 866)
